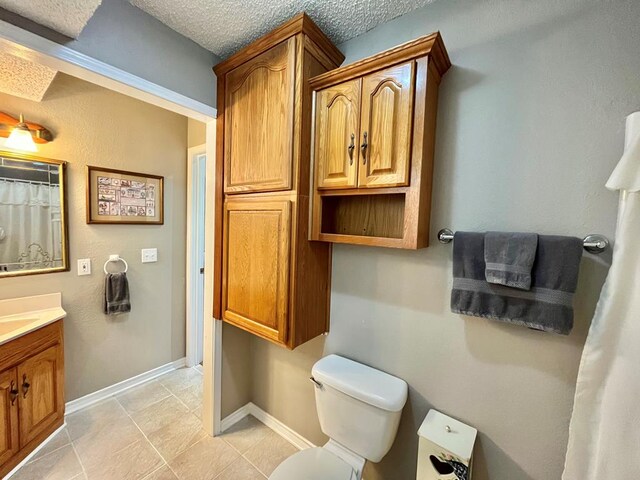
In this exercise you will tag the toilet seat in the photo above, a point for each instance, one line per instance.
(314, 464)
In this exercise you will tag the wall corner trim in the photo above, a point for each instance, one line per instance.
(115, 389)
(270, 421)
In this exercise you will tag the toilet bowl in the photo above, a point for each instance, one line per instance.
(359, 409)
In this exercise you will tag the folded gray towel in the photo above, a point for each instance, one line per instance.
(509, 258)
(116, 293)
(547, 306)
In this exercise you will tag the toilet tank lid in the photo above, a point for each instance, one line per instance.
(362, 382)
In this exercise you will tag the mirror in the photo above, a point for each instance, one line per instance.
(33, 222)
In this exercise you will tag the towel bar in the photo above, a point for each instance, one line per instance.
(592, 243)
(116, 258)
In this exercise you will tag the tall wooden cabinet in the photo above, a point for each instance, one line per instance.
(31, 392)
(271, 280)
(374, 137)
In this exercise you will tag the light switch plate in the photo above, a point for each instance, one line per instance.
(84, 266)
(149, 255)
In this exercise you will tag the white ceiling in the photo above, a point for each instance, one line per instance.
(224, 26)
(68, 17)
(22, 78)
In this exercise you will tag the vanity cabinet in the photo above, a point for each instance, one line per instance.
(31, 392)
(269, 279)
(373, 146)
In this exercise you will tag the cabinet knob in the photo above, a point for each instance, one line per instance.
(363, 148)
(13, 392)
(25, 386)
(351, 148)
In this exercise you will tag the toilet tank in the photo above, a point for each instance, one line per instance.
(358, 406)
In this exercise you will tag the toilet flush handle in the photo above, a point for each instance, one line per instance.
(315, 382)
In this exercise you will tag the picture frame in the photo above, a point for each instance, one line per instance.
(123, 197)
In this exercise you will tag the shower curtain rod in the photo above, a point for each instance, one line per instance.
(592, 243)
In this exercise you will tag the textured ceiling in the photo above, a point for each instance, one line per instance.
(24, 79)
(65, 16)
(224, 26)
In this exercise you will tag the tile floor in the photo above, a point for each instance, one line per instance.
(154, 432)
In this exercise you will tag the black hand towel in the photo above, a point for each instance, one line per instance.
(116, 294)
(547, 306)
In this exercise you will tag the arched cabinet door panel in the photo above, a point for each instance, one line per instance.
(259, 112)
(386, 125)
(337, 123)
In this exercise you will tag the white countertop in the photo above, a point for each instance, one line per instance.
(19, 316)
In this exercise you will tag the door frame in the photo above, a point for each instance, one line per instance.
(32, 47)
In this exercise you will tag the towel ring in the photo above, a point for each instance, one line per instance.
(116, 258)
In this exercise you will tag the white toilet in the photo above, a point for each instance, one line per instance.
(359, 409)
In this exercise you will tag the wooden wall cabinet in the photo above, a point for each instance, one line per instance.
(270, 279)
(373, 146)
(31, 392)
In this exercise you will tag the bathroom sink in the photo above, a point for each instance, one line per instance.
(19, 316)
(8, 326)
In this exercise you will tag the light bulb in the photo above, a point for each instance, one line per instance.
(21, 139)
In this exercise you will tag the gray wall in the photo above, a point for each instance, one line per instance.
(95, 126)
(530, 125)
(128, 38)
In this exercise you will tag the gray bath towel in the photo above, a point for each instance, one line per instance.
(547, 306)
(116, 293)
(509, 258)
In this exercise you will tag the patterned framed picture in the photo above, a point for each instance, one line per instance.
(118, 196)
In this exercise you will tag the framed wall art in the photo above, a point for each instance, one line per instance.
(118, 196)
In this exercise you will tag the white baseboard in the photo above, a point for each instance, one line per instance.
(28, 458)
(95, 397)
(270, 421)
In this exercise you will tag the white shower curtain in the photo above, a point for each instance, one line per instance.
(604, 435)
(27, 215)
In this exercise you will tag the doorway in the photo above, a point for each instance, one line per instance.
(196, 215)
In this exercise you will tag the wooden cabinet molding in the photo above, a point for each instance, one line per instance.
(385, 199)
(31, 392)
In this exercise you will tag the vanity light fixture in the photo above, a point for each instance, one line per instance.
(20, 138)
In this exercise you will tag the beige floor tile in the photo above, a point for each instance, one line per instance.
(159, 415)
(191, 396)
(163, 473)
(94, 418)
(241, 470)
(98, 445)
(60, 440)
(61, 464)
(141, 397)
(246, 433)
(181, 379)
(176, 437)
(268, 453)
(132, 462)
(198, 412)
(205, 460)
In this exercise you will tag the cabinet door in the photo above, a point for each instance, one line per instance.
(336, 135)
(9, 438)
(258, 119)
(41, 395)
(385, 132)
(255, 269)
